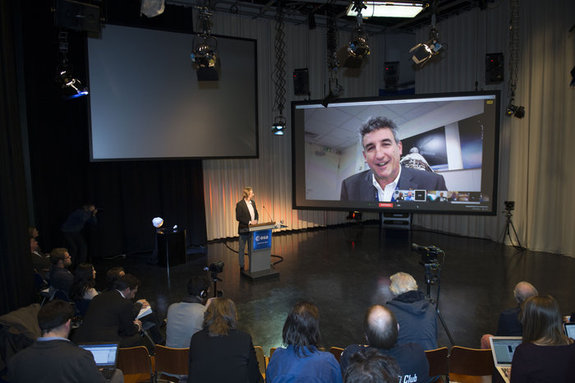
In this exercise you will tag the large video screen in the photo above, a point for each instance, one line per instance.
(146, 101)
(433, 153)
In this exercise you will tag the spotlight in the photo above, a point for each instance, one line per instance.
(357, 49)
(517, 111)
(423, 52)
(204, 54)
(204, 57)
(71, 86)
(279, 126)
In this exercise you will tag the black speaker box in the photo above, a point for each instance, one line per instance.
(301, 82)
(77, 16)
(494, 68)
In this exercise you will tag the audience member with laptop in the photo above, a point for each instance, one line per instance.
(52, 357)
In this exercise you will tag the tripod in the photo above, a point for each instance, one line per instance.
(432, 277)
(509, 225)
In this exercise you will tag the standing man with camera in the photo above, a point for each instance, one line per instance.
(246, 215)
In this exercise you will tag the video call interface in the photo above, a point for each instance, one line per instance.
(446, 149)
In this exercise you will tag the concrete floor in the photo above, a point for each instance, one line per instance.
(346, 269)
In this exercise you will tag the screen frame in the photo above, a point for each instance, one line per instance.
(298, 155)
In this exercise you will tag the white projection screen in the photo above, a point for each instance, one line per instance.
(147, 103)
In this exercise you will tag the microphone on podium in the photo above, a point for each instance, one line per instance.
(267, 212)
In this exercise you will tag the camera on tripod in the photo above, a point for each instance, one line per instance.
(215, 268)
(429, 254)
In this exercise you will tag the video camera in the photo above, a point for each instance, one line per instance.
(429, 254)
(216, 267)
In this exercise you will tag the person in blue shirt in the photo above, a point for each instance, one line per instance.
(301, 361)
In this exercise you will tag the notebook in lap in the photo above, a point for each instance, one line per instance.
(105, 356)
(502, 348)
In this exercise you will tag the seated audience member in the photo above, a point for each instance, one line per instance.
(40, 261)
(414, 313)
(84, 282)
(150, 321)
(509, 323)
(110, 316)
(53, 358)
(185, 318)
(301, 361)
(220, 352)
(61, 279)
(546, 354)
(83, 291)
(370, 366)
(381, 332)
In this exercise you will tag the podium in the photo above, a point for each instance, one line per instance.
(171, 247)
(259, 251)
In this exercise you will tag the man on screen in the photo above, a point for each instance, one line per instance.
(382, 151)
(246, 214)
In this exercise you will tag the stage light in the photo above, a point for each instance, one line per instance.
(204, 54)
(357, 49)
(157, 222)
(388, 9)
(71, 86)
(279, 126)
(423, 52)
(514, 110)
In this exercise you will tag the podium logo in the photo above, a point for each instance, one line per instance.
(262, 237)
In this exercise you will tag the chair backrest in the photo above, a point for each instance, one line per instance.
(470, 361)
(135, 360)
(336, 351)
(171, 360)
(262, 362)
(438, 363)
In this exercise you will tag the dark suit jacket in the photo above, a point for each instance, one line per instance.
(509, 324)
(243, 215)
(359, 187)
(54, 361)
(230, 358)
(110, 317)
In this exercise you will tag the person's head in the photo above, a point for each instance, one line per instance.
(524, 290)
(128, 285)
(220, 317)
(402, 283)
(59, 257)
(54, 317)
(368, 365)
(198, 285)
(301, 328)
(248, 193)
(84, 279)
(380, 327)
(85, 272)
(542, 322)
(381, 148)
(112, 274)
(89, 207)
(33, 232)
(33, 244)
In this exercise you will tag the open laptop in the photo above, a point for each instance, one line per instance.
(105, 356)
(569, 329)
(502, 348)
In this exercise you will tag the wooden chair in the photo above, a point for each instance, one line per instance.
(170, 360)
(262, 360)
(136, 364)
(438, 362)
(470, 365)
(336, 351)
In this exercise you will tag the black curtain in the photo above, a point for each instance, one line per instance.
(16, 287)
(130, 193)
